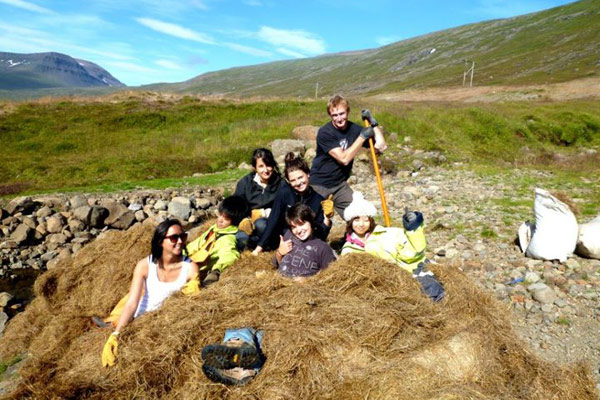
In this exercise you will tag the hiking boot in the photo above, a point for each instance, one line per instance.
(99, 322)
(222, 356)
(235, 376)
(212, 277)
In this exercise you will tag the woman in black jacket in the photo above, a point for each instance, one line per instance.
(259, 188)
(297, 190)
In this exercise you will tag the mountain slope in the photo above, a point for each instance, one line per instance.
(555, 45)
(50, 70)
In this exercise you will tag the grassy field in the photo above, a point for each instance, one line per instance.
(133, 142)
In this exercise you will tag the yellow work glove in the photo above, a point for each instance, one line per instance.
(192, 286)
(246, 226)
(327, 205)
(256, 214)
(109, 352)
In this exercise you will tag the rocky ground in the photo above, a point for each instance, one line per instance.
(555, 306)
(472, 220)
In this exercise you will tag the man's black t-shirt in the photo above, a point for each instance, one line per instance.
(326, 171)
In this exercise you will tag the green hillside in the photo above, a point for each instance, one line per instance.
(555, 45)
(55, 145)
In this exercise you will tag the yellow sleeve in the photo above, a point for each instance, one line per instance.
(196, 249)
(414, 249)
(417, 239)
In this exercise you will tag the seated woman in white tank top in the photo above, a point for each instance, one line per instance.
(165, 271)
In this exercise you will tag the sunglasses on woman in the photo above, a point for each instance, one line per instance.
(175, 238)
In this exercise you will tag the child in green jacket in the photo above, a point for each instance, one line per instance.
(402, 246)
(216, 249)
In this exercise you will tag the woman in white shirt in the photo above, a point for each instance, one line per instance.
(165, 271)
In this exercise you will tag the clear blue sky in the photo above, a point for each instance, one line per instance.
(150, 41)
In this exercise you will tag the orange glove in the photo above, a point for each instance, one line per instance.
(192, 286)
(246, 226)
(109, 352)
(256, 214)
(327, 205)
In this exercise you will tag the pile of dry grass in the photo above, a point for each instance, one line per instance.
(360, 329)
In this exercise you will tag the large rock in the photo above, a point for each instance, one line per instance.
(44, 212)
(55, 223)
(5, 297)
(306, 132)
(21, 234)
(78, 201)
(117, 213)
(180, 208)
(281, 147)
(140, 215)
(160, 205)
(29, 222)
(54, 202)
(9, 244)
(41, 229)
(82, 213)
(124, 221)
(23, 204)
(203, 203)
(542, 293)
(56, 239)
(97, 216)
(75, 225)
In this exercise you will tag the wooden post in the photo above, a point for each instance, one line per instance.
(317, 90)
(471, 69)
(472, 72)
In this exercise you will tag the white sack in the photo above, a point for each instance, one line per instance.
(555, 233)
(524, 233)
(588, 244)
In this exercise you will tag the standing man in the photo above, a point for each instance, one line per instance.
(338, 142)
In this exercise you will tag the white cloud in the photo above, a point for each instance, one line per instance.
(290, 53)
(87, 21)
(27, 6)
(248, 50)
(168, 64)
(17, 39)
(131, 67)
(295, 39)
(383, 40)
(175, 30)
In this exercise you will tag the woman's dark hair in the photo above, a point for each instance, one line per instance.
(293, 163)
(159, 235)
(300, 212)
(349, 229)
(267, 158)
(235, 207)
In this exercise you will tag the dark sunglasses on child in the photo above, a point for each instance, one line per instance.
(174, 238)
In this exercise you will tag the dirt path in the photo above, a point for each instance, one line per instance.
(579, 89)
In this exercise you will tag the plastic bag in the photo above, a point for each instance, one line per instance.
(588, 244)
(554, 235)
